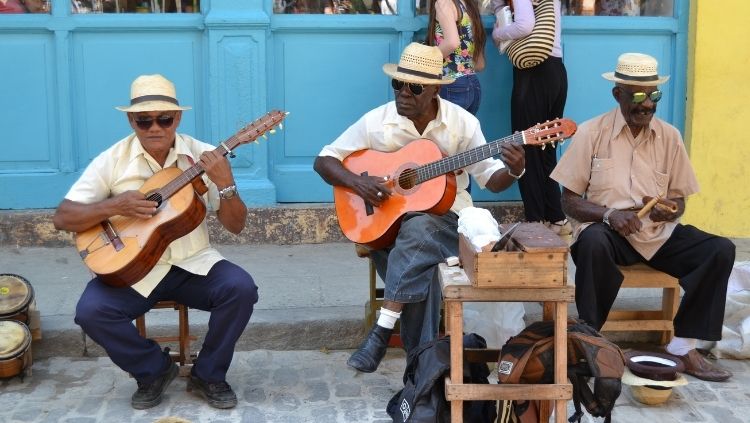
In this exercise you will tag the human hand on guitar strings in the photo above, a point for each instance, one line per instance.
(133, 204)
(514, 157)
(217, 168)
(372, 189)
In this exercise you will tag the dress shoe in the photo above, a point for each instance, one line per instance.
(150, 394)
(218, 395)
(698, 366)
(367, 358)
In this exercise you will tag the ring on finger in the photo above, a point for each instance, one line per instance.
(380, 194)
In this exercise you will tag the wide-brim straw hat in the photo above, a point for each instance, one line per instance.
(150, 93)
(636, 69)
(419, 64)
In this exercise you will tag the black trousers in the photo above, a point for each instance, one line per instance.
(539, 95)
(701, 261)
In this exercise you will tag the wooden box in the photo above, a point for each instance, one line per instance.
(539, 258)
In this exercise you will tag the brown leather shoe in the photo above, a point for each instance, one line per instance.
(697, 365)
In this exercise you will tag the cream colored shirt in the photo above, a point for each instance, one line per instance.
(454, 130)
(125, 166)
(612, 169)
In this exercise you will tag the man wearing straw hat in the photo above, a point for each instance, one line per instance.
(190, 271)
(424, 240)
(614, 161)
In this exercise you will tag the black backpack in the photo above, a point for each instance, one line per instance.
(422, 400)
(529, 358)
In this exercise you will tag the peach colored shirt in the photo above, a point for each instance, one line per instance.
(611, 168)
(126, 166)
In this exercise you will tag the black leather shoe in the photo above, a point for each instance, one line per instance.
(367, 358)
(150, 394)
(218, 395)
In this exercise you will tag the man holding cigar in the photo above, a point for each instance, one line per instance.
(626, 175)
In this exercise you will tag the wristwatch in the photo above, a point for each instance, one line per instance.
(228, 192)
(605, 218)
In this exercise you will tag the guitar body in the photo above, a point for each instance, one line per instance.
(143, 241)
(379, 229)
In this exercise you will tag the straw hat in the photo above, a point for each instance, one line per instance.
(419, 64)
(636, 69)
(663, 376)
(150, 93)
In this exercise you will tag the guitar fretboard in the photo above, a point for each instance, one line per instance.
(249, 133)
(461, 160)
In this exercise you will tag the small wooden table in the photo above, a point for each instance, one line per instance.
(457, 289)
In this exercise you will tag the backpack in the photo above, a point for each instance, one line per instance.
(422, 400)
(529, 358)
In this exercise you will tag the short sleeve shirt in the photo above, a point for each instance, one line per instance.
(454, 130)
(609, 167)
(126, 166)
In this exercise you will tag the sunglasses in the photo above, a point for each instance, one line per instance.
(146, 122)
(415, 89)
(639, 98)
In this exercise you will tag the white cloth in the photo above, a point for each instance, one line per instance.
(478, 226)
(454, 130)
(735, 334)
(126, 166)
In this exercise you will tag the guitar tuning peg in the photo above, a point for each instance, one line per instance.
(286, 113)
(281, 126)
(544, 146)
(265, 137)
(256, 142)
(272, 131)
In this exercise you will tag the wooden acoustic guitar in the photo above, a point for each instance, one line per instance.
(122, 250)
(421, 179)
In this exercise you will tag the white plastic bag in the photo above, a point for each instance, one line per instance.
(495, 322)
(735, 334)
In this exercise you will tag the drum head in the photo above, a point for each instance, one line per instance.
(14, 339)
(15, 294)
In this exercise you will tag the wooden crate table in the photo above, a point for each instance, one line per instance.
(457, 289)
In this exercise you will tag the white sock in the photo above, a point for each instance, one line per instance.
(388, 318)
(681, 346)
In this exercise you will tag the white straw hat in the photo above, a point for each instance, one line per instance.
(150, 93)
(636, 69)
(419, 64)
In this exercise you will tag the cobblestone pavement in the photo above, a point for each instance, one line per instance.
(303, 386)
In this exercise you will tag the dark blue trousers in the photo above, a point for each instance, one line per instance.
(106, 315)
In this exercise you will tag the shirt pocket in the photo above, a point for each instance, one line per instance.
(662, 181)
(602, 175)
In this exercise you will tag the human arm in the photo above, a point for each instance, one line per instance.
(75, 216)
(523, 23)
(447, 16)
(334, 173)
(232, 212)
(624, 222)
(514, 158)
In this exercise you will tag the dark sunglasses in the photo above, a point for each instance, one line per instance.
(415, 89)
(146, 122)
(639, 98)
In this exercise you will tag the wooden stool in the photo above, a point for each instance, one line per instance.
(183, 357)
(643, 276)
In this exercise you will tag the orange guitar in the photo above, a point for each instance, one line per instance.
(421, 179)
(122, 250)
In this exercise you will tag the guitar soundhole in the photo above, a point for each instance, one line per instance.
(408, 179)
(155, 196)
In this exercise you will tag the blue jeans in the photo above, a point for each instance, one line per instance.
(464, 91)
(409, 269)
(106, 314)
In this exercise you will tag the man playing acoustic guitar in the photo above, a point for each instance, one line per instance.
(408, 265)
(190, 271)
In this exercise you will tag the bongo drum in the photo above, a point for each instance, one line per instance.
(16, 294)
(15, 348)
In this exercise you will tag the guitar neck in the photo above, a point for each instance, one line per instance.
(195, 170)
(461, 160)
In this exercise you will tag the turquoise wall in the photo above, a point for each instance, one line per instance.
(236, 60)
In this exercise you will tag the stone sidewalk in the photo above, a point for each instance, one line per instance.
(303, 386)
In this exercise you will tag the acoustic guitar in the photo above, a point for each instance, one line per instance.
(421, 179)
(122, 250)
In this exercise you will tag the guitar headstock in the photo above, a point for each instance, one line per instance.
(549, 132)
(260, 126)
